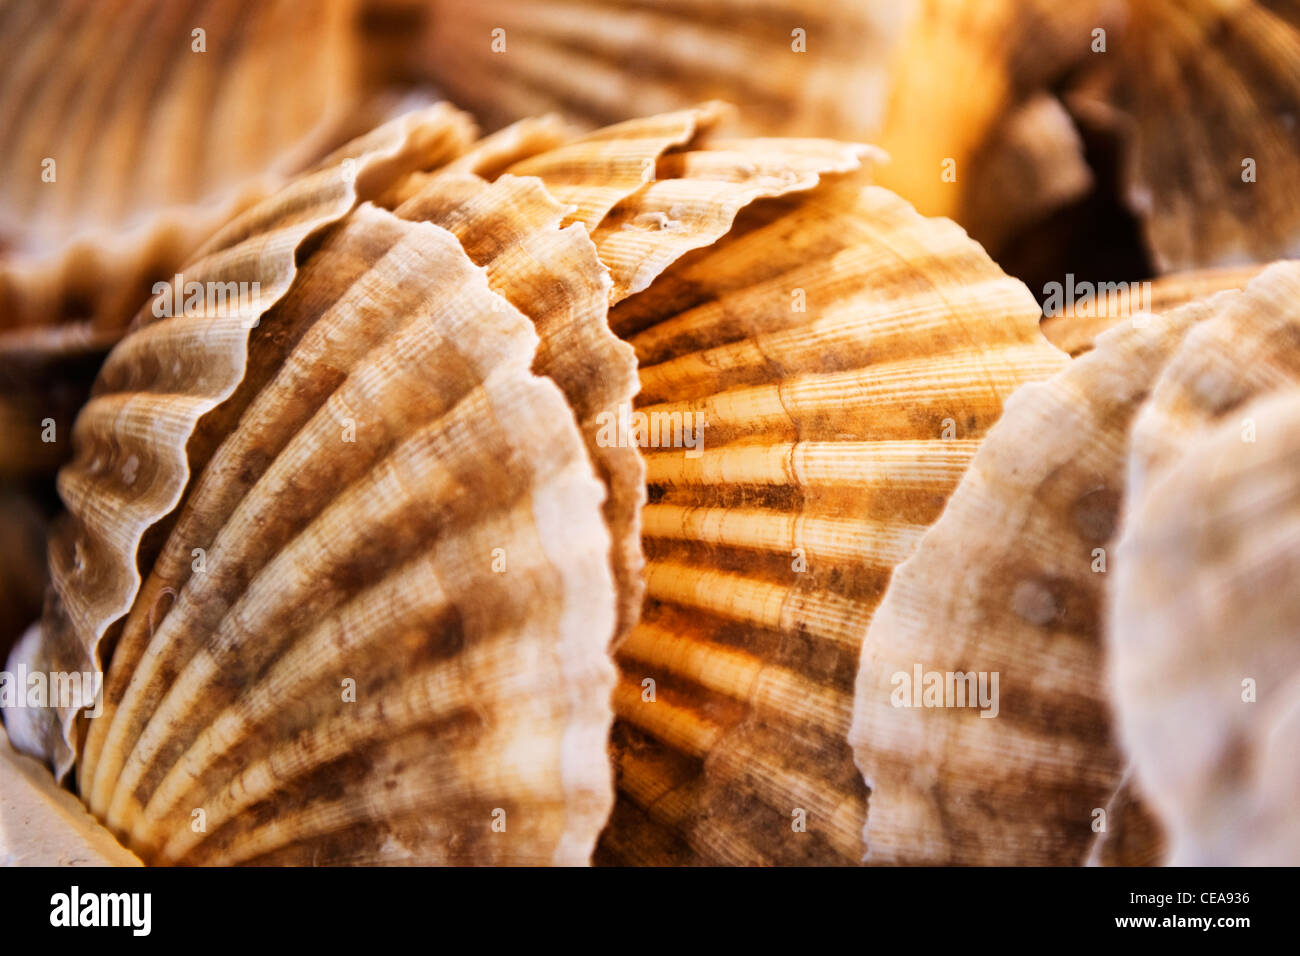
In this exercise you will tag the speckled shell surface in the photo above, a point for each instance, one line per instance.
(1012, 581)
(846, 356)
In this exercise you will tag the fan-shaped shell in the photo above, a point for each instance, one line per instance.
(845, 356)
(111, 171)
(492, 691)
(391, 644)
(117, 491)
(1011, 581)
(161, 122)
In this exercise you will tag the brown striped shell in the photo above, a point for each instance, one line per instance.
(459, 527)
(846, 357)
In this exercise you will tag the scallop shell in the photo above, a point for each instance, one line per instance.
(129, 120)
(161, 122)
(1247, 347)
(834, 434)
(493, 692)
(1206, 667)
(824, 66)
(387, 474)
(117, 495)
(1076, 334)
(1211, 444)
(1205, 86)
(1011, 581)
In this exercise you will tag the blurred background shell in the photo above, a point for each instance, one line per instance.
(160, 121)
(1106, 137)
(602, 62)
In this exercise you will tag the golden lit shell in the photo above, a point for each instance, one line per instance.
(1075, 333)
(1011, 580)
(1206, 667)
(845, 355)
(795, 68)
(967, 107)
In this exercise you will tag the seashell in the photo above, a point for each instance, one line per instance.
(162, 121)
(123, 493)
(1189, 89)
(1205, 666)
(1011, 581)
(221, 691)
(966, 106)
(110, 177)
(1211, 764)
(1209, 95)
(824, 67)
(1246, 347)
(834, 434)
(1076, 334)
(489, 703)
(43, 825)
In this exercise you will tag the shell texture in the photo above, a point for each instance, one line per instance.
(1204, 609)
(1076, 334)
(824, 67)
(43, 825)
(457, 331)
(116, 489)
(161, 122)
(1210, 91)
(392, 644)
(1205, 662)
(110, 177)
(1011, 581)
(845, 356)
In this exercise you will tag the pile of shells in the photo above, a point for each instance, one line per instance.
(659, 494)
